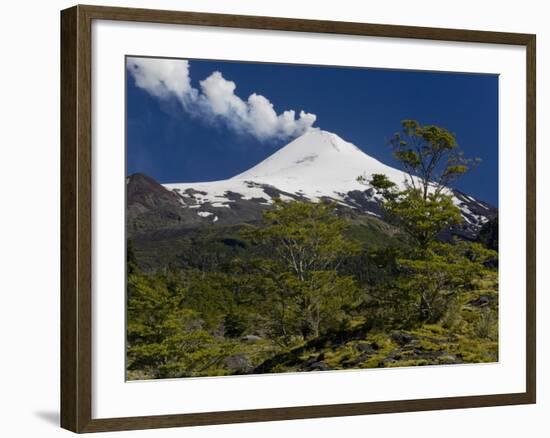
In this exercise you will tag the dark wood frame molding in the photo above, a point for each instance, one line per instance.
(76, 174)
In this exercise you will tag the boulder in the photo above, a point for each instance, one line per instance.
(318, 366)
(251, 338)
(482, 301)
(402, 338)
(238, 363)
(365, 348)
(361, 358)
(449, 359)
(385, 362)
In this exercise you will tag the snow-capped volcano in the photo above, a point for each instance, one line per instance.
(317, 165)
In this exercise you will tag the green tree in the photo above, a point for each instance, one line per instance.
(431, 274)
(442, 273)
(421, 217)
(386, 304)
(307, 245)
(166, 339)
(231, 302)
(430, 155)
(306, 236)
(432, 159)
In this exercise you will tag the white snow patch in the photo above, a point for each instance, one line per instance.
(468, 214)
(204, 213)
(284, 197)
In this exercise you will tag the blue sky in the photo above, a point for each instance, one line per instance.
(174, 141)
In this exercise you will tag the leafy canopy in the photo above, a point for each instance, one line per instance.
(307, 244)
(421, 217)
(430, 155)
(164, 337)
(305, 236)
(441, 274)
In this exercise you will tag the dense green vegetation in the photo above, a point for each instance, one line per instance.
(314, 287)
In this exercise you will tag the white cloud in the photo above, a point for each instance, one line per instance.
(162, 77)
(220, 95)
(216, 99)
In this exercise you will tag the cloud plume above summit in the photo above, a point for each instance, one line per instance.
(216, 99)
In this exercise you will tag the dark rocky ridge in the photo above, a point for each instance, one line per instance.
(153, 208)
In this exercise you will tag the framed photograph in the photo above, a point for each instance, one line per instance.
(269, 219)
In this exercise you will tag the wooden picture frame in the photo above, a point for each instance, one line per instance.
(76, 218)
